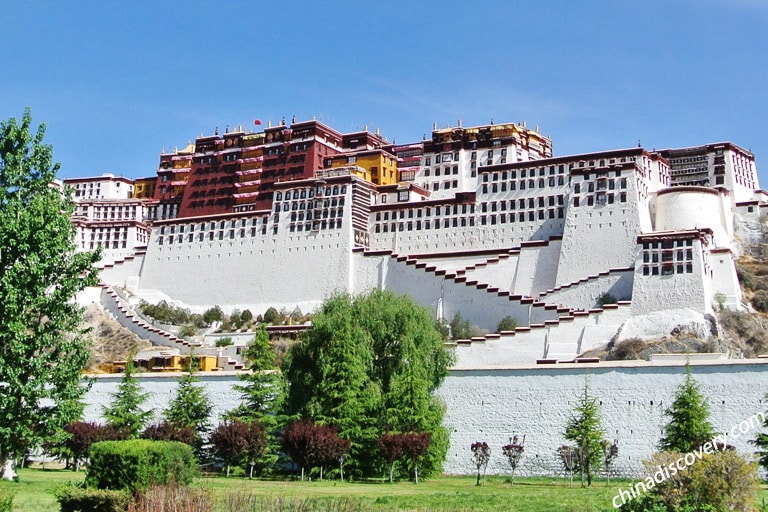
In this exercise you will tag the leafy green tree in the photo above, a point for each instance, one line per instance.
(262, 392)
(272, 316)
(124, 412)
(190, 406)
(688, 426)
(369, 362)
(43, 350)
(460, 328)
(506, 324)
(214, 314)
(584, 428)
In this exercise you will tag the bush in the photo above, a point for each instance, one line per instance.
(507, 324)
(628, 349)
(606, 298)
(224, 342)
(79, 499)
(139, 463)
(760, 301)
(166, 431)
(746, 278)
(722, 481)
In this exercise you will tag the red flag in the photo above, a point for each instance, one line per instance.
(257, 122)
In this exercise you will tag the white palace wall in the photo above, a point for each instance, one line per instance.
(492, 404)
(609, 230)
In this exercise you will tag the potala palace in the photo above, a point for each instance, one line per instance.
(482, 221)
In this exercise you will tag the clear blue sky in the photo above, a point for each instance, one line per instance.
(118, 81)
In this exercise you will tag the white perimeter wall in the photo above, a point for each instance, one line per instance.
(490, 405)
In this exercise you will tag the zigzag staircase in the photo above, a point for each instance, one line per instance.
(555, 332)
(119, 309)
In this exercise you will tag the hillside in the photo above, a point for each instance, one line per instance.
(110, 340)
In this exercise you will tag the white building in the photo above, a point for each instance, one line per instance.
(491, 225)
(107, 217)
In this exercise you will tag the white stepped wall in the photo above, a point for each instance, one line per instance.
(124, 273)
(498, 274)
(524, 347)
(601, 237)
(584, 295)
(536, 268)
(480, 307)
(452, 264)
(540, 314)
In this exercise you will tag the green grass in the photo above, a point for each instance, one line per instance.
(33, 493)
(33, 490)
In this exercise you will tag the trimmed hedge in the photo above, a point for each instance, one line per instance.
(78, 499)
(138, 463)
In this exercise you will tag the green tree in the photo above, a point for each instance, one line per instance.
(43, 349)
(371, 362)
(272, 316)
(688, 426)
(214, 314)
(585, 429)
(262, 392)
(124, 411)
(761, 442)
(190, 406)
(460, 328)
(506, 324)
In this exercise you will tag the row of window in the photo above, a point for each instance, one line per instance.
(420, 225)
(317, 225)
(324, 214)
(504, 186)
(600, 184)
(308, 205)
(212, 225)
(305, 193)
(418, 213)
(522, 173)
(600, 199)
(667, 269)
(211, 235)
(529, 216)
(531, 202)
(106, 245)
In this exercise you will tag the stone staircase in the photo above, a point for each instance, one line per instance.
(119, 309)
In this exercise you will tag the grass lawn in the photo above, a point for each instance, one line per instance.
(443, 493)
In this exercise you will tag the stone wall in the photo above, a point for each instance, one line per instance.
(492, 404)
